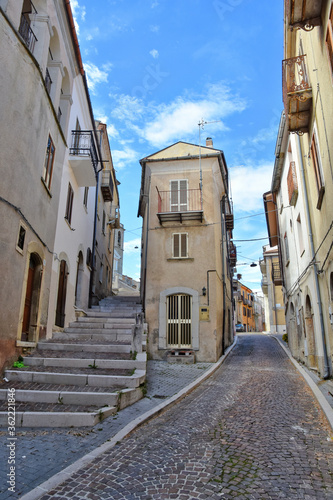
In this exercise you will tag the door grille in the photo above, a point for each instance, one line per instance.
(179, 327)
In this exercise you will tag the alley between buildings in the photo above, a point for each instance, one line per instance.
(251, 431)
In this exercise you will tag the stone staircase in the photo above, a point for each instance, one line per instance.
(92, 369)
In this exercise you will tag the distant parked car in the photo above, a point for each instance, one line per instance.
(239, 327)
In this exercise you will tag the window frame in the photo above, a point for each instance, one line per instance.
(49, 163)
(178, 206)
(69, 204)
(329, 39)
(180, 245)
(317, 166)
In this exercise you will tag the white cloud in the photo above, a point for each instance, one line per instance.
(154, 4)
(122, 158)
(96, 75)
(154, 53)
(154, 28)
(180, 118)
(248, 184)
(129, 246)
(128, 108)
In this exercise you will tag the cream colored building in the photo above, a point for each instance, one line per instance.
(271, 285)
(186, 282)
(302, 183)
(50, 161)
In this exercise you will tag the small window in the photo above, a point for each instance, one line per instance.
(103, 222)
(85, 197)
(119, 239)
(21, 238)
(286, 248)
(318, 171)
(300, 235)
(69, 204)
(101, 273)
(180, 245)
(48, 164)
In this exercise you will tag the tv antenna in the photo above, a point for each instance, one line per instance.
(201, 126)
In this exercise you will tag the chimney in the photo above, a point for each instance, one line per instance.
(209, 142)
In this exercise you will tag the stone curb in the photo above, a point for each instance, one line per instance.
(326, 407)
(66, 473)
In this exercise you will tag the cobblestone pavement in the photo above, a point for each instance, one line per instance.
(42, 453)
(251, 431)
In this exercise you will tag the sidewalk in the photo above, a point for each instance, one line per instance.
(45, 454)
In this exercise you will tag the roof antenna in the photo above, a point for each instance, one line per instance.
(201, 125)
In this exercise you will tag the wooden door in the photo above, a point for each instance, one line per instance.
(28, 301)
(61, 300)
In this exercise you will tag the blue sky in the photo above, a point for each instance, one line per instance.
(155, 68)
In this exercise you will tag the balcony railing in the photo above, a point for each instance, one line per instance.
(26, 33)
(297, 93)
(232, 254)
(276, 274)
(179, 205)
(83, 156)
(107, 185)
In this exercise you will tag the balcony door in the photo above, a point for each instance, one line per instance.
(178, 196)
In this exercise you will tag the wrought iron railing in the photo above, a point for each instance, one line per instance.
(187, 200)
(26, 33)
(107, 185)
(83, 144)
(276, 273)
(295, 78)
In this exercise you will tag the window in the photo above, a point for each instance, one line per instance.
(48, 164)
(286, 248)
(318, 172)
(329, 39)
(69, 204)
(85, 197)
(101, 273)
(119, 239)
(103, 222)
(244, 311)
(21, 238)
(292, 184)
(180, 245)
(300, 235)
(178, 196)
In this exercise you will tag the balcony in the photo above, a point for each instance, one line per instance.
(179, 205)
(232, 254)
(107, 185)
(304, 14)
(229, 221)
(276, 274)
(83, 157)
(297, 94)
(26, 32)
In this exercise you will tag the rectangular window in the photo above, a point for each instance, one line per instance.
(48, 164)
(85, 197)
(300, 235)
(103, 222)
(21, 238)
(317, 169)
(69, 204)
(329, 39)
(178, 196)
(286, 248)
(292, 184)
(180, 245)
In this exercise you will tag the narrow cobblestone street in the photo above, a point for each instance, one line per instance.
(251, 431)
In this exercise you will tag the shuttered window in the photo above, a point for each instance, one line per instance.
(179, 245)
(69, 204)
(178, 195)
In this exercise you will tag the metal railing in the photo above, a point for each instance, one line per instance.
(26, 33)
(294, 77)
(276, 273)
(107, 185)
(184, 200)
(83, 144)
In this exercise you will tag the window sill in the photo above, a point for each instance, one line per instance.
(288, 262)
(19, 250)
(172, 259)
(47, 189)
(68, 224)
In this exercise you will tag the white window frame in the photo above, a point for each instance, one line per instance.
(180, 256)
(178, 207)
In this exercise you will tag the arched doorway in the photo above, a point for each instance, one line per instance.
(311, 344)
(31, 301)
(79, 278)
(62, 289)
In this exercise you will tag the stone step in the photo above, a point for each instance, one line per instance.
(113, 314)
(129, 364)
(77, 347)
(80, 379)
(106, 331)
(123, 337)
(111, 321)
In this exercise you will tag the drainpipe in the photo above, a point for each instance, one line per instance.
(315, 268)
(144, 274)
